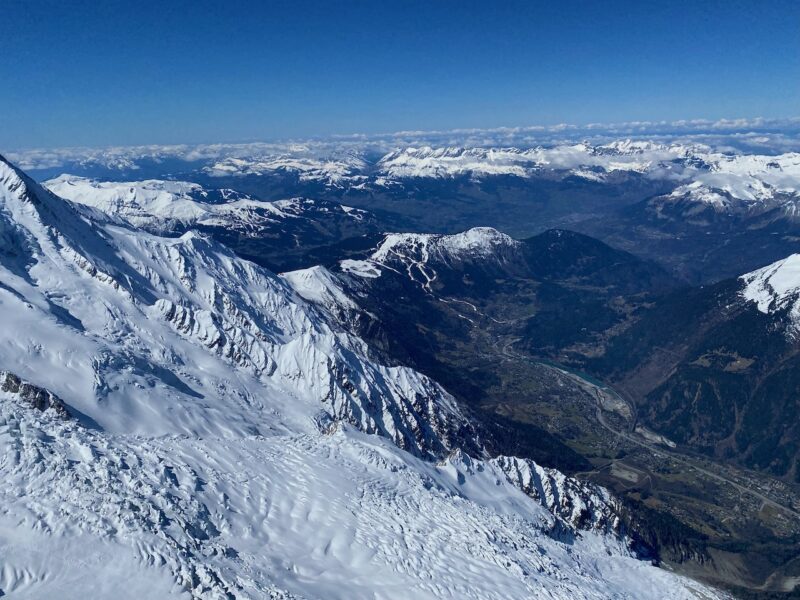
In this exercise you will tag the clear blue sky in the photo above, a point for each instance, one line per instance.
(74, 72)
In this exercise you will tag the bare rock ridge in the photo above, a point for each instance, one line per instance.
(39, 398)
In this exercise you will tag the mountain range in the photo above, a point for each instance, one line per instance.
(222, 377)
(708, 212)
(192, 426)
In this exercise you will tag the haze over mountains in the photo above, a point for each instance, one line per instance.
(360, 368)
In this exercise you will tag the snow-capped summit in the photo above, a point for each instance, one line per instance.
(776, 288)
(420, 254)
(306, 166)
(450, 162)
(169, 206)
(478, 241)
(156, 205)
(276, 233)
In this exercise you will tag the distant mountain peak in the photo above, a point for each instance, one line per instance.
(478, 241)
(775, 288)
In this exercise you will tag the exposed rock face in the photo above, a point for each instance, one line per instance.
(39, 398)
(577, 506)
(580, 505)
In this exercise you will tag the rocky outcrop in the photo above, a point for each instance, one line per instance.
(35, 396)
(581, 505)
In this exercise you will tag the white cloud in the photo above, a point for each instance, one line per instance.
(766, 136)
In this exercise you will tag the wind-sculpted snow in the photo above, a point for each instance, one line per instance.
(776, 288)
(287, 516)
(178, 422)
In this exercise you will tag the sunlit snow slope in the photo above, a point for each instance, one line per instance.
(776, 288)
(178, 422)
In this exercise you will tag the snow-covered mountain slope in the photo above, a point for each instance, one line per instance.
(167, 206)
(337, 516)
(155, 294)
(278, 235)
(744, 185)
(153, 204)
(330, 170)
(476, 242)
(416, 255)
(752, 177)
(584, 160)
(700, 173)
(188, 425)
(776, 288)
(704, 175)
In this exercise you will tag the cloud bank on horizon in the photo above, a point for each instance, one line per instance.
(748, 135)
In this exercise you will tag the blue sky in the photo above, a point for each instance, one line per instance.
(102, 73)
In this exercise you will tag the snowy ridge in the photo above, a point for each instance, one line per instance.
(450, 162)
(319, 286)
(169, 206)
(700, 173)
(32, 395)
(583, 506)
(475, 242)
(153, 204)
(579, 505)
(706, 176)
(220, 441)
(327, 170)
(582, 159)
(775, 288)
(154, 292)
(419, 253)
